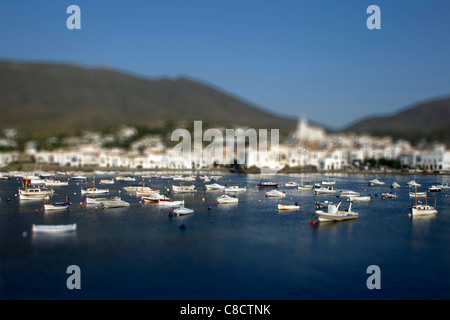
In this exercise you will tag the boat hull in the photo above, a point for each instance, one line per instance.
(333, 217)
(56, 207)
(54, 228)
(288, 207)
(423, 210)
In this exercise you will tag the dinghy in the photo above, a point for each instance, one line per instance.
(182, 211)
(334, 214)
(54, 228)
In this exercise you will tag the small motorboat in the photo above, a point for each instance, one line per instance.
(268, 184)
(79, 177)
(54, 228)
(291, 184)
(100, 200)
(282, 206)
(348, 193)
(182, 211)
(106, 181)
(434, 188)
(155, 197)
(323, 204)
(305, 187)
(171, 203)
(413, 184)
(359, 198)
(94, 191)
(324, 190)
(334, 214)
(235, 189)
(417, 194)
(114, 204)
(444, 186)
(214, 186)
(395, 185)
(388, 195)
(183, 189)
(275, 194)
(56, 183)
(376, 182)
(57, 206)
(138, 188)
(227, 199)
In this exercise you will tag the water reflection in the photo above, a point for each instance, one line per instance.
(53, 240)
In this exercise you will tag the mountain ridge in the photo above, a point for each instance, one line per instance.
(48, 98)
(428, 120)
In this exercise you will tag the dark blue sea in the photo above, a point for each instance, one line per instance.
(238, 251)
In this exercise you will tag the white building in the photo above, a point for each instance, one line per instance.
(306, 133)
(437, 159)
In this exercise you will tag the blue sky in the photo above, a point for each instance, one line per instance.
(311, 58)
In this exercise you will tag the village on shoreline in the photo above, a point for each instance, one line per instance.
(308, 150)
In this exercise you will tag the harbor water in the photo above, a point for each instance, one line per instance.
(246, 250)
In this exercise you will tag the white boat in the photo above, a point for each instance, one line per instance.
(183, 189)
(395, 185)
(444, 186)
(57, 206)
(126, 179)
(155, 197)
(94, 191)
(388, 195)
(79, 177)
(359, 198)
(114, 204)
(234, 189)
(54, 228)
(434, 188)
(305, 187)
(268, 184)
(100, 200)
(171, 203)
(137, 188)
(182, 211)
(288, 206)
(4, 176)
(106, 181)
(56, 183)
(376, 182)
(34, 193)
(291, 184)
(328, 182)
(413, 184)
(334, 214)
(188, 178)
(146, 193)
(417, 194)
(227, 199)
(275, 194)
(323, 190)
(324, 204)
(348, 193)
(423, 209)
(214, 186)
(33, 180)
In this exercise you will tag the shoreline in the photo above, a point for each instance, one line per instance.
(28, 167)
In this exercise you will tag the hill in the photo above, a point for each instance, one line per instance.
(429, 121)
(42, 100)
